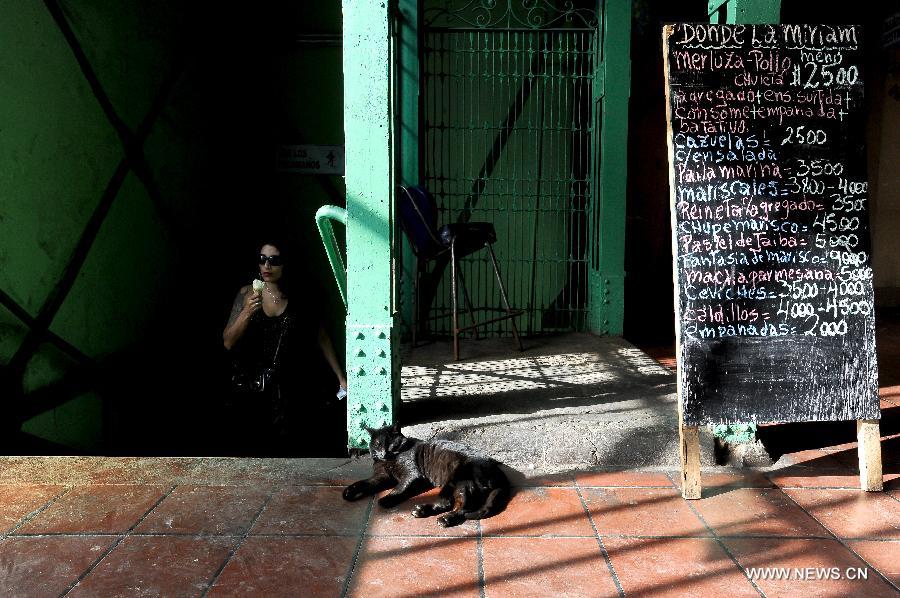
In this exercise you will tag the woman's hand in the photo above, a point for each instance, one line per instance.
(331, 357)
(252, 302)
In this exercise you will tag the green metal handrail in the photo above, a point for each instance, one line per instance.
(324, 216)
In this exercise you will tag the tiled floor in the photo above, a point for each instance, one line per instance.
(286, 531)
(268, 527)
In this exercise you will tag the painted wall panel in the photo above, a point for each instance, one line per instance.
(122, 281)
(77, 424)
(12, 331)
(130, 46)
(57, 153)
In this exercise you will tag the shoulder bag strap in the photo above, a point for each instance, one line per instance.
(278, 346)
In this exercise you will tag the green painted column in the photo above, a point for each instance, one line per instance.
(742, 12)
(372, 359)
(612, 89)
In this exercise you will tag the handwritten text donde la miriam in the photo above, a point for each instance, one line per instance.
(790, 37)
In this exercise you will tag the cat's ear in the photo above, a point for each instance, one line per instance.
(369, 430)
(395, 427)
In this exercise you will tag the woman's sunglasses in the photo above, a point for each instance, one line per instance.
(274, 260)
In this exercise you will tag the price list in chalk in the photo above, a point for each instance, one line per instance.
(770, 196)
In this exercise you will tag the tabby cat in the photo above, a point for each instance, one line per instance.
(472, 485)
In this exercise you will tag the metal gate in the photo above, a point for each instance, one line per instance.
(509, 132)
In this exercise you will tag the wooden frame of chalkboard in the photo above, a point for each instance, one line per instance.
(770, 235)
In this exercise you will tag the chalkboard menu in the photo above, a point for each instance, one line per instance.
(770, 223)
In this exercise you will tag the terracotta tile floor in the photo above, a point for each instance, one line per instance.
(266, 527)
(604, 533)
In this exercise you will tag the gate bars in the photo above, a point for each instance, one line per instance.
(568, 242)
(509, 133)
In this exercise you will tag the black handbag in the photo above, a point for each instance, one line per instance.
(254, 380)
(243, 380)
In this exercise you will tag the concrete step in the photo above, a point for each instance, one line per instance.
(567, 402)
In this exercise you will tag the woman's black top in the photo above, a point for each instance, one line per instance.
(298, 360)
(299, 416)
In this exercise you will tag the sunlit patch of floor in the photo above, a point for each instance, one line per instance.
(599, 400)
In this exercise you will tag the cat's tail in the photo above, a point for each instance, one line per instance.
(494, 503)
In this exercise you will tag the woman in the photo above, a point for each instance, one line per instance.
(268, 329)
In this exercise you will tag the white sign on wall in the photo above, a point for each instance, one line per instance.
(311, 159)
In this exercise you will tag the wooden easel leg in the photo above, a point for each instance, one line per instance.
(868, 436)
(690, 461)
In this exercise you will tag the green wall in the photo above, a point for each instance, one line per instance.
(137, 147)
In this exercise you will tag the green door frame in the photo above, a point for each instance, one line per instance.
(606, 279)
(409, 150)
(744, 11)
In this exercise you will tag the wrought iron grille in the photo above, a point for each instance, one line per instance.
(509, 134)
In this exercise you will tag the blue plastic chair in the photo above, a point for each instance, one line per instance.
(418, 217)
